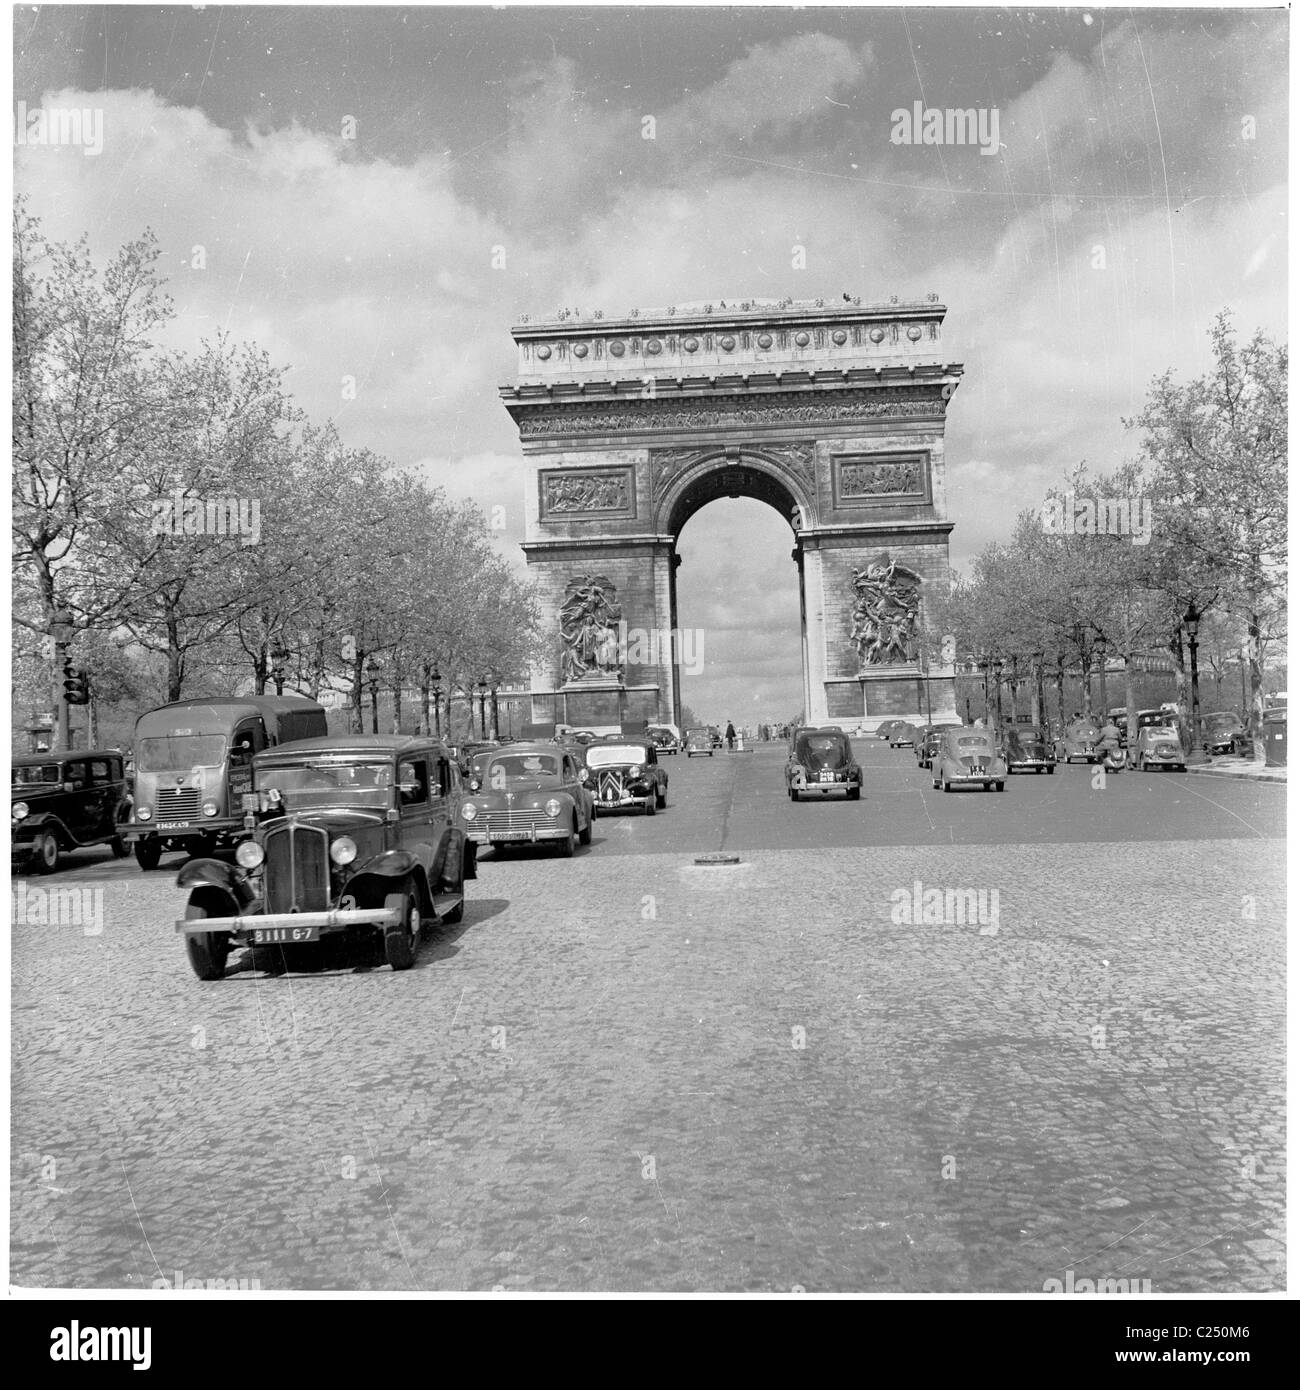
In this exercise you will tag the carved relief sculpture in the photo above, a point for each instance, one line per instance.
(586, 492)
(880, 478)
(589, 618)
(886, 609)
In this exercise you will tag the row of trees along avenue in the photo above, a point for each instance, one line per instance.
(180, 529)
(1069, 596)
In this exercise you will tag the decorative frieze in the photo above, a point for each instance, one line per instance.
(874, 479)
(779, 408)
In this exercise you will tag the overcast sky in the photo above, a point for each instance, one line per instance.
(1157, 136)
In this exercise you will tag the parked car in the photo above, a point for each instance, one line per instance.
(1079, 741)
(65, 801)
(1223, 731)
(1028, 749)
(1158, 745)
(886, 729)
(359, 835)
(904, 734)
(698, 741)
(927, 742)
(968, 757)
(715, 734)
(667, 737)
(625, 772)
(821, 761)
(528, 794)
(193, 763)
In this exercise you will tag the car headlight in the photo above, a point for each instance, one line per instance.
(552, 808)
(343, 850)
(209, 808)
(20, 810)
(469, 810)
(143, 813)
(249, 854)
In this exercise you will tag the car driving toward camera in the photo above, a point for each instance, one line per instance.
(65, 801)
(528, 794)
(699, 741)
(354, 835)
(625, 774)
(821, 763)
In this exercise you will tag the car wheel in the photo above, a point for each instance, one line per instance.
(999, 786)
(119, 847)
(46, 849)
(1051, 768)
(934, 782)
(661, 800)
(855, 793)
(400, 940)
(584, 836)
(650, 805)
(147, 854)
(565, 847)
(207, 951)
(794, 795)
(946, 784)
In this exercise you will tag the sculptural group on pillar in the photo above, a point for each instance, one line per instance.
(886, 611)
(589, 630)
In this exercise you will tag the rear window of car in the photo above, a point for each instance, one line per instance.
(608, 754)
(973, 742)
(821, 743)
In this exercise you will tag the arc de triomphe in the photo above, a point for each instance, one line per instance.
(834, 415)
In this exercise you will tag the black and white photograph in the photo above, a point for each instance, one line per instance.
(446, 440)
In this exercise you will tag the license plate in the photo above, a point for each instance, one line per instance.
(512, 835)
(827, 776)
(173, 825)
(270, 936)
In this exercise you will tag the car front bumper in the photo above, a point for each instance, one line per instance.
(323, 923)
(530, 836)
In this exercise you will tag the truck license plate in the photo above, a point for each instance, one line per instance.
(270, 936)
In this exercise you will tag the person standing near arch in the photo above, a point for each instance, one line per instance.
(731, 736)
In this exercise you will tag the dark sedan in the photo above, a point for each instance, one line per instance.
(821, 762)
(1028, 749)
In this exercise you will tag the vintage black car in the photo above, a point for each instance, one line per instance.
(527, 794)
(927, 742)
(821, 762)
(624, 773)
(698, 741)
(66, 801)
(903, 734)
(666, 737)
(1027, 748)
(359, 834)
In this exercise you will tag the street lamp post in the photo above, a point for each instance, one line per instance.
(1191, 621)
(496, 711)
(1041, 712)
(278, 658)
(373, 670)
(436, 692)
(482, 709)
(997, 676)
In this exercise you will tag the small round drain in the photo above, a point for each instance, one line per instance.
(711, 859)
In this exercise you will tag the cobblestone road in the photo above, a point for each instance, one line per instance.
(626, 1072)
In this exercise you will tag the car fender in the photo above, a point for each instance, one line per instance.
(43, 822)
(374, 882)
(215, 873)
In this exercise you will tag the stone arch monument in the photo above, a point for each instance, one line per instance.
(834, 415)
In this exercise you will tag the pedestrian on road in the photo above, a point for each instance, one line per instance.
(731, 736)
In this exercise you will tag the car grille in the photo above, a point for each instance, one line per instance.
(296, 876)
(178, 803)
(532, 821)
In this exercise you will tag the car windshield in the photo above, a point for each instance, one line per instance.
(180, 752)
(330, 784)
(45, 775)
(972, 741)
(520, 765)
(608, 754)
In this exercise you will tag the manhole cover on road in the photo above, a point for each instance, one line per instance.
(711, 859)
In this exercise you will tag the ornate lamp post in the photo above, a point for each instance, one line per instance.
(278, 658)
(1041, 712)
(997, 676)
(373, 670)
(436, 692)
(482, 708)
(1191, 621)
(495, 681)
(986, 665)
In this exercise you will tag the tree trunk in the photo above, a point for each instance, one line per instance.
(175, 660)
(357, 715)
(1255, 648)
(1101, 681)
(1060, 691)
(397, 705)
(425, 673)
(1130, 697)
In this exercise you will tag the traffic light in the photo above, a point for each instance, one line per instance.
(76, 686)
